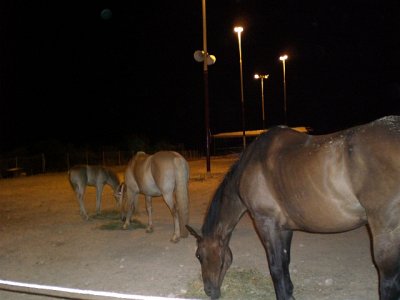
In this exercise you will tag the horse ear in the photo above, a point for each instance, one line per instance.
(122, 187)
(193, 232)
(120, 191)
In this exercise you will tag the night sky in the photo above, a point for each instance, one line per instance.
(70, 73)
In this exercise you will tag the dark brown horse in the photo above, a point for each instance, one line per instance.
(290, 181)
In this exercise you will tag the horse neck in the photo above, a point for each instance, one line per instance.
(231, 213)
(113, 180)
(224, 213)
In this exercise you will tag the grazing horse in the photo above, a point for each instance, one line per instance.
(81, 176)
(164, 173)
(289, 181)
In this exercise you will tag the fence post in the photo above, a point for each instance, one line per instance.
(68, 167)
(43, 163)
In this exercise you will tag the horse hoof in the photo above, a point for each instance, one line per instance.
(149, 230)
(125, 227)
(174, 239)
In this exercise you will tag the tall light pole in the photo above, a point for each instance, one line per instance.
(262, 77)
(202, 56)
(239, 30)
(283, 58)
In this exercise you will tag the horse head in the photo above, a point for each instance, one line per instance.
(215, 258)
(120, 197)
(119, 194)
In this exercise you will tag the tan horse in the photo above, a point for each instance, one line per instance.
(81, 176)
(166, 174)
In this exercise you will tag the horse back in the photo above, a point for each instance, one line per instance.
(322, 183)
(91, 175)
(374, 163)
(154, 174)
(77, 175)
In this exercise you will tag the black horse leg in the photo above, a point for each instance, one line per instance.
(277, 244)
(286, 238)
(387, 258)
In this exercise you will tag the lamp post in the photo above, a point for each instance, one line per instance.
(202, 56)
(239, 30)
(283, 58)
(262, 77)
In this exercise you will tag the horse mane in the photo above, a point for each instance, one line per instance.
(114, 178)
(214, 209)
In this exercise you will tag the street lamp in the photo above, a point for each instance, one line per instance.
(202, 56)
(262, 77)
(239, 30)
(283, 58)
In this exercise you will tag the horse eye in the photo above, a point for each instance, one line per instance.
(198, 257)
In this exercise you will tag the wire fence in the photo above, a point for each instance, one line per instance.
(43, 163)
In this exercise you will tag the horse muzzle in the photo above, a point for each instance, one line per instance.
(212, 292)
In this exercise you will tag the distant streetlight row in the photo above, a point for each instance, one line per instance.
(262, 77)
(203, 56)
(239, 30)
(283, 58)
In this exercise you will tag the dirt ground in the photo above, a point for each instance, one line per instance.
(43, 240)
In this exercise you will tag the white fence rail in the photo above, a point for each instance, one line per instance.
(70, 293)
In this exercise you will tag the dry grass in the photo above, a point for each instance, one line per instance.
(107, 215)
(115, 222)
(238, 284)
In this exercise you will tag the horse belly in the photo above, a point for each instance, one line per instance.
(321, 196)
(330, 210)
(95, 176)
(328, 218)
(148, 186)
(145, 187)
(152, 191)
(300, 205)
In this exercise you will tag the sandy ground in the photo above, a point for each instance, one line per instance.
(44, 241)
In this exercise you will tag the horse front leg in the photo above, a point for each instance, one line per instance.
(99, 192)
(80, 194)
(169, 200)
(149, 209)
(277, 243)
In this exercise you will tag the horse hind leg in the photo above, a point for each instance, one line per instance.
(169, 200)
(182, 194)
(132, 204)
(149, 209)
(386, 248)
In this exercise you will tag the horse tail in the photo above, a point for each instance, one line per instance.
(182, 193)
